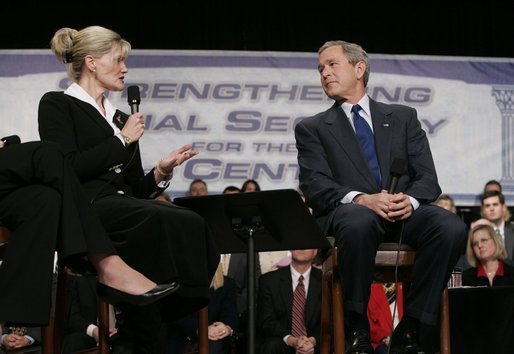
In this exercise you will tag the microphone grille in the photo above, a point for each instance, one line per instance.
(133, 95)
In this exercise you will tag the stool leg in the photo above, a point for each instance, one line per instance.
(203, 330)
(103, 327)
(445, 323)
(47, 337)
(326, 313)
(54, 332)
(338, 313)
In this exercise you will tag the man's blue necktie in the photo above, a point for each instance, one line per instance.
(367, 141)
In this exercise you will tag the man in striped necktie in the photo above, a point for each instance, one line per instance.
(289, 306)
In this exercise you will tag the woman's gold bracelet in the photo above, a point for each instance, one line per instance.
(161, 172)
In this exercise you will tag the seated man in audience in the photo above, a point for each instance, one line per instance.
(495, 210)
(492, 185)
(81, 327)
(446, 202)
(197, 187)
(223, 321)
(12, 338)
(289, 306)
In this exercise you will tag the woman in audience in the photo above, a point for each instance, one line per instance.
(250, 185)
(485, 253)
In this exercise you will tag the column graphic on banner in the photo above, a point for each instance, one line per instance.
(505, 101)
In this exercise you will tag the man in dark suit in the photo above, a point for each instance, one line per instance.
(344, 181)
(16, 338)
(81, 329)
(223, 321)
(275, 306)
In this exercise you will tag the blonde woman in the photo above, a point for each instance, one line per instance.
(486, 253)
(163, 241)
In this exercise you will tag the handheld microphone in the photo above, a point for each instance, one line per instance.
(134, 98)
(11, 140)
(397, 170)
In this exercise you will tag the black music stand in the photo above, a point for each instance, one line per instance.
(274, 220)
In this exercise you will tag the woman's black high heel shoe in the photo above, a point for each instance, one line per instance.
(114, 296)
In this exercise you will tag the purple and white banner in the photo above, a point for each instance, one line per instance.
(239, 110)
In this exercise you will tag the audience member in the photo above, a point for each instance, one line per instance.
(250, 185)
(493, 208)
(235, 266)
(446, 202)
(81, 315)
(43, 205)
(284, 325)
(163, 241)
(223, 320)
(165, 197)
(486, 254)
(481, 221)
(197, 187)
(492, 185)
(231, 189)
(344, 179)
(12, 338)
(385, 310)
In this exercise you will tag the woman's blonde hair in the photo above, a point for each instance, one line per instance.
(500, 253)
(71, 46)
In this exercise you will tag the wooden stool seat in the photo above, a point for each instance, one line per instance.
(388, 256)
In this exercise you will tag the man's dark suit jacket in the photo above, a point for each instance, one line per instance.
(332, 164)
(275, 302)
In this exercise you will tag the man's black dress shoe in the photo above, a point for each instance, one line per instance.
(409, 344)
(115, 297)
(360, 343)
